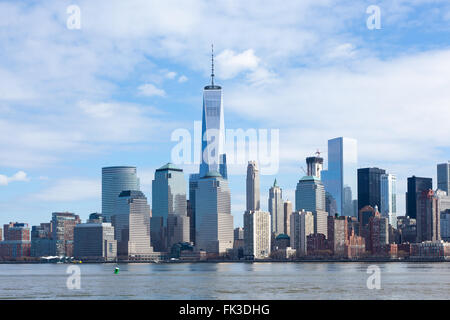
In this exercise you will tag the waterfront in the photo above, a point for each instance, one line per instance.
(227, 281)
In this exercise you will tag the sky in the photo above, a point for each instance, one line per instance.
(112, 92)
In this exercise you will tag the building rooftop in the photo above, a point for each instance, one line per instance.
(212, 174)
(308, 178)
(169, 166)
(136, 194)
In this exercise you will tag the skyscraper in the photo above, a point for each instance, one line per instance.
(257, 224)
(302, 225)
(443, 177)
(63, 225)
(416, 186)
(287, 217)
(340, 179)
(132, 226)
(310, 194)
(276, 208)
(257, 234)
(253, 193)
(369, 189)
(95, 241)
(428, 217)
(114, 181)
(193, 186)
(169, 203)
(388, 208)
(213, 221)
(314, 166)
(213, 129)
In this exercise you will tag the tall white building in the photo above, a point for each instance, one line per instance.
(114, 181)
(276, 209)
(257, 234)
(302, 225)
(132, 226)
(253, 193)
(214, 222)
(388, 194)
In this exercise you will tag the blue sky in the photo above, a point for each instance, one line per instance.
(112, 92)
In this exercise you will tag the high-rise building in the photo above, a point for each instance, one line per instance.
(95, 241)
(369, 187)
(378, 234)
(16, 243)
(443, 177)
(276, 208)
(287, 217)
(338, 234)
(1, 234)
(63, 224)
(41, 240)
(340, 179)
(310, 194)
(193, 186)
(213, 221)
(443, 199)
(445, 225)
(428, 217)
(132, 226)
(388, 207)
(253, 193)
(169, 200)
(302, 225)
(213, 130)
(257, 235)
(416, 186)
(315, 166)
(114, 181)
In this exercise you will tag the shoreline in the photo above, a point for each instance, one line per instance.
(243, 261)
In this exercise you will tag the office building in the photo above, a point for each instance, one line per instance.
(95, 241)
(338, 234)
(257, 235)
(132, 226)
(276, 208)
(169, 200)
(213, 130)
(252, 186)
(314, 166)
(287, 217)
(310, 194)
(340, 179)
(41, 240)
(388, 207)
(378, 234)
(302, 225)
(369, 187)
(114, 181)
(445, 225)
(193, 186)
(428, 217)
(416, 186)
(63, 224)
(214, 222)
(16, 243)
(443, 177)
(443, 199)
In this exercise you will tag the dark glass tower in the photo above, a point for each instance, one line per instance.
(369, 187)
(416, 186)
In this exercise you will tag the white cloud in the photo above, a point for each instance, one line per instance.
(230, 64)
(150, 90)
(19, 176)
(171, 75)
(182, 79)
(67, 190)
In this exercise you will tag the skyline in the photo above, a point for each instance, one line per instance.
(61, 147)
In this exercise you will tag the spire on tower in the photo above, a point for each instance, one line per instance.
(212, 65)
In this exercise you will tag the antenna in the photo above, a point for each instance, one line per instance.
(212, 65)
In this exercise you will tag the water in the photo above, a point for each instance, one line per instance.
(227, 281)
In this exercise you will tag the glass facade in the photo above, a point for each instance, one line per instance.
(114, 181)
(388, 189)
(213, 132)
(340, 180)
(443, 177)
